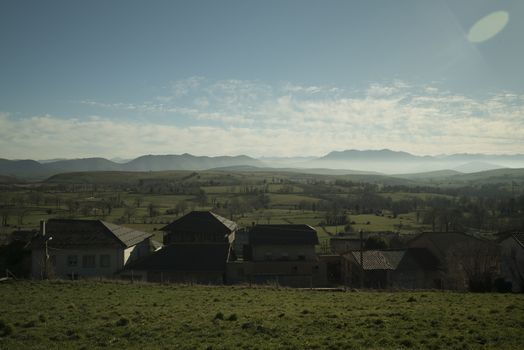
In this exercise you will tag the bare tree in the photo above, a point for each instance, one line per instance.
(129, 213)
(477, 262)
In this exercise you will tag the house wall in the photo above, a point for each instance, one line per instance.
(58, 264)
(512, 263)
(462, 262)
(287, 273)
(410, 275)
(193, 237)
(283, 252)
(333, 268)
(343, 246)
(136, 252)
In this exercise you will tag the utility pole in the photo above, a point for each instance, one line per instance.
(361, 259)
(45, 274)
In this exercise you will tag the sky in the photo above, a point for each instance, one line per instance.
(261, 78)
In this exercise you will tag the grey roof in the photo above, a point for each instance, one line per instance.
(519, 237)
(445, 240)
(391, 259)
(185, 257)
(283, 235)
(128, 236)
(201, 221)
(379, 259)
(89, 233)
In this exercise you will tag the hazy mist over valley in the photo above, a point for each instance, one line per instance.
(337, 162)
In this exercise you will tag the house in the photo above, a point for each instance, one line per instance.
(344, 244)
(85, 248)
(465, 262)
(283, 254)
(403, 268)
(200, 226)
(182, 262)
(512, 260)
(196, 249)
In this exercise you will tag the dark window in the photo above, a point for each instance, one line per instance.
(301, 257)
(72, 260)
(88, 261)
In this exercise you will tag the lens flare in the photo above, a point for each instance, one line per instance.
(488, 26)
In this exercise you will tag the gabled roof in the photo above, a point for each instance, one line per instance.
(85, 233)
(444, 240)
(201, 221)
(519, 238)
(283, 235)
(185, 257)
(379, 259)
(392, 259)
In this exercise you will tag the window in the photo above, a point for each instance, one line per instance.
(72, 260)
(105, 260)
(301, 257)
(88, 261)
(284, 256)
(269, 256)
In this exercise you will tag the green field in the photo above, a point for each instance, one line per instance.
(275, 197)
(88, 315)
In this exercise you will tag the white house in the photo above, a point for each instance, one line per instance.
(85, 248)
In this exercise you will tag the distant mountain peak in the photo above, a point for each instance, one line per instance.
(383, 154)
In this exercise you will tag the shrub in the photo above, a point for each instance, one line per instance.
(407, 343)
(5, 329)
(122, 322)
(219, 316)
(29, 324)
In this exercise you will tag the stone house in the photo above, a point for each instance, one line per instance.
(413, 268)
(200, 227)
(197, 247)
(283, 254)
(465, 262)
(85, 248)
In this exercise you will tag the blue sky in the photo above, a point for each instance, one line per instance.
(263, 78)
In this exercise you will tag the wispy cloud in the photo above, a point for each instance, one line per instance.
(255, 118)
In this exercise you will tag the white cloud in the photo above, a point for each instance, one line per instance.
(254, 118)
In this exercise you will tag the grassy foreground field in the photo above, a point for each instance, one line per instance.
(87, 315)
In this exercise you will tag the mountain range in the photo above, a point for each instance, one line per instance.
(340, 162)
